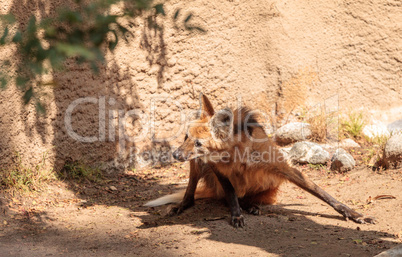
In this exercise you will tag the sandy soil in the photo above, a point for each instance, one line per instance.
(84, 219)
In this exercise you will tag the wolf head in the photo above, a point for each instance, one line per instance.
(212, 131)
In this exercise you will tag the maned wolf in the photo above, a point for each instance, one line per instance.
(230, 151)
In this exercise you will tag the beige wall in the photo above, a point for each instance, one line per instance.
(274, 55)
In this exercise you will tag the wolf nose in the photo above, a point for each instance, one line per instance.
(177, 155)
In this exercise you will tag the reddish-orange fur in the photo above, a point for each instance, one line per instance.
(259, 181)
(234, 157)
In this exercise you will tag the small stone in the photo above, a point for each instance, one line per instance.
(293, 132)
(113, 188)
(393, 151)
(307, 152)
(395, 126)
(373, 131)
(349, 143)
(342, 161)
(393, 252)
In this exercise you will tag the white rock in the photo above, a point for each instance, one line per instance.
(378, 130)
(395, 126)
(349, 143)
(393, 252)
(307, 152)
(293, 132)
(342, 161)
(393, 151)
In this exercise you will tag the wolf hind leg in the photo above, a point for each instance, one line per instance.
(251, 203)
(296, 177)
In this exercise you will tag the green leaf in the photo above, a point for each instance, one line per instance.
(159, 9)
(102, 20)
(188, 18)
(96, 37)
(98, 53)
(31, 46)
(21, 81)
(28, 95)
(50, 32)
(31, 28)
(36, 67)
(70, 16)
(142, 4)
(90, 9)
(195, 28)
(94, 67)
(75, 50)
(3, 38)
(17, 37)
(3, 83)
(112, 44)
(79, 60)
(77, 37)
(56, 60)
(200, 29)
(39, 108)
(8, 18)
(176, 14)
(124, 31)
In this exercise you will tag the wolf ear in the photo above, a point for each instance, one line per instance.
(206, 109)
(222, 125)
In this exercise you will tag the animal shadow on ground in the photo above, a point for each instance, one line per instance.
(284, 229)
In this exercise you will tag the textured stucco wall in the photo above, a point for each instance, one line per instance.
(274, 55)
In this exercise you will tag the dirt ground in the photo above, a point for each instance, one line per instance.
(107, 219)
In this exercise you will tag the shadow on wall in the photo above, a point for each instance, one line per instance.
(153, 42)
(101, 106)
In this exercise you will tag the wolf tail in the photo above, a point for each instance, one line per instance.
(173, 198)
(200, 193)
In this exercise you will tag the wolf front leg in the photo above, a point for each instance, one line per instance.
(237, 220)
(188, 199)
(304, 182)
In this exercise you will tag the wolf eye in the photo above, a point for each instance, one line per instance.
(197, 143)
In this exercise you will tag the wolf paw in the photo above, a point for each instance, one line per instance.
(174, 210)
(237, 221)
(254, 210)
(357, 217)
(365, 220)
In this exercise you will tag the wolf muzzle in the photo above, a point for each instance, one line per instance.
(178, 155)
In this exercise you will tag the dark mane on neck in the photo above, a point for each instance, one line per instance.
(244, 120)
